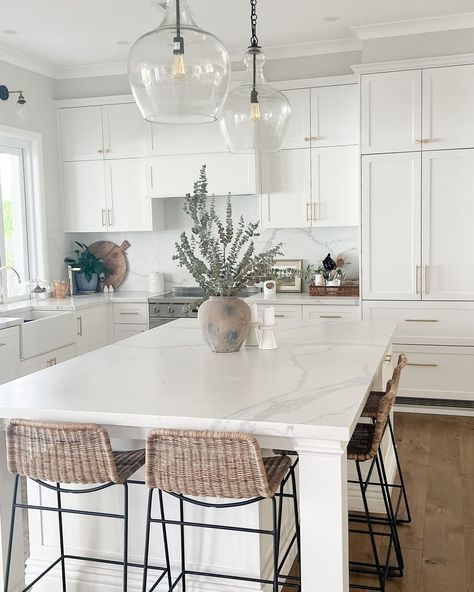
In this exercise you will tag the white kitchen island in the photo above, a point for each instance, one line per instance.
(307, 396)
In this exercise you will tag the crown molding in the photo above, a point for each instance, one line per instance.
(415, 64)
(27, 62)
(92, 70)
(278, 52)
(435, 24)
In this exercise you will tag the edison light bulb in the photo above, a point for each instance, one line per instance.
(179, 67)
(255, 113)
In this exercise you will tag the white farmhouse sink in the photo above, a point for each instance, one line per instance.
(44, 331)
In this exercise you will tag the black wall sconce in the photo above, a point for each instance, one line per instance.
(22, 111)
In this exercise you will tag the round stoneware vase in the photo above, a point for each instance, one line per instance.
(224, 322)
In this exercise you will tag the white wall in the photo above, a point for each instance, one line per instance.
(38, 91)
(153, 251)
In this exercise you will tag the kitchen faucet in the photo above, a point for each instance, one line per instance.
(4, 268)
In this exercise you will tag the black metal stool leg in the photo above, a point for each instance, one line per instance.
(147, 539)
(276, 542)
(125, 537)
(296, 512)
(370, 529)
(183, 556)
(165, 537)
(406, 520)
(10, 536)
(61, 539)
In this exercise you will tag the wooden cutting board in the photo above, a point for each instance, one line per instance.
(115, 258)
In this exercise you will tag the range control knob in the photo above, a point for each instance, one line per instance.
(186, 308)
(156, 309)
(170, 309)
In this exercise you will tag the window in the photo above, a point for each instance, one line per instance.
(21, 245)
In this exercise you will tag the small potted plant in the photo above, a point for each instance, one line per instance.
(90, 269)
(221, 258)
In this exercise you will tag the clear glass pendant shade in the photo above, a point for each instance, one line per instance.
(179, 87)
(248, 125)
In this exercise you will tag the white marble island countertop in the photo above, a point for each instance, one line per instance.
(314, 385)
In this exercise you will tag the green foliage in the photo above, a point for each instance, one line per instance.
(87, 262)
(221, 257)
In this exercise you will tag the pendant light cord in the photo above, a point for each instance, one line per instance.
(178, 40)
(255, 46)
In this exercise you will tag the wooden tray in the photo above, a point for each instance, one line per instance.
(115, 258)
(346, 289)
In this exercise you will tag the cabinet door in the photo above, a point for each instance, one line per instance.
(186, 139)
(84, 196)
(299, 129)
(174, 176)
(286, 189)
(391, 226)
(125, 331)
(9, 354)
(128, 208)
(335, 115)
(335, 186)
(94, 328)
(126, 133)
(391, 112)
(81, 133)
(448, 214)
(448, 114)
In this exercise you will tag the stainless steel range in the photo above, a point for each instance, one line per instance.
(180, 303)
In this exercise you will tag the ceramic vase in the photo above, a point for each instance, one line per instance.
(224, 322)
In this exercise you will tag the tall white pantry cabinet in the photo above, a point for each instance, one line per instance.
(417, 145)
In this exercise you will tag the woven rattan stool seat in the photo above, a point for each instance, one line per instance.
(372, 404)
(72, 453)
(360, 445)
(211, 464)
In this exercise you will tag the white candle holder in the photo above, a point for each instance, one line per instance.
(267, 337)
(253, 337)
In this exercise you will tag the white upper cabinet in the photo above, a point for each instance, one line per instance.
(286, 189)
(448, 227)
(391, 112)
(85, 207)
(391, 227)
(174, 176)
(127, 207)
(126, 133)
(335, 186)
(186, 139)
(81, 133)
(98, 132)
(299, 129)
(335, 115)
(448, 113)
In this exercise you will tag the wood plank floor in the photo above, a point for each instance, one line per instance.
(437, 455)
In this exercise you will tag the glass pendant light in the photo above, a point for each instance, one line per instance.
(255, 116)
(179, 73)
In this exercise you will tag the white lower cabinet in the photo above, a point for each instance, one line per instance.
(129, 318)
(124, 331)
(313, 312)
(94, 328)
(9, 354)
(288, 312)
(47, 360)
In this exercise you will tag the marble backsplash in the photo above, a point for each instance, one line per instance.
(153, 251)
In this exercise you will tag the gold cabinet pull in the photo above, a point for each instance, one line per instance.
(104, 223)
(417, 280)
(418, 141)
(330, 316)
(279, 316)
(388, 358)
(308, 212)
(307, 139)
(79, 327)
(426, 141)
(100, 151)
(422, 320)
(316, 212)
(420, 365)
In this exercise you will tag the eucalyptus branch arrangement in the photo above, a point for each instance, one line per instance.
(220, 257)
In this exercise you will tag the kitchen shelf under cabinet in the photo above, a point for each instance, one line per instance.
(9, 354)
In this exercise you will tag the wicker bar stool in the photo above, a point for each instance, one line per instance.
(370, 411)
(363, 447)
(226, 466)
(69, 453)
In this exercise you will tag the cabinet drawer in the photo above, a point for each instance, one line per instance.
(130, 313)
(122, 331)
(437, 372)
(326, 313)
(47, 360)
(284, 311)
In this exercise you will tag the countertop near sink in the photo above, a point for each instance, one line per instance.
(301, 298)
(6, 322)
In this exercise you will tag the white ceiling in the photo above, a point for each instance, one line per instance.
(66, 34)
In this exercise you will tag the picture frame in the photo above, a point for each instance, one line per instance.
(293, 282)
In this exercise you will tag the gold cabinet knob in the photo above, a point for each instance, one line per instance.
(307, 139)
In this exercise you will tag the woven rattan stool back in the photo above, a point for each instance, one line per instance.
(60, 452)
(208, 464)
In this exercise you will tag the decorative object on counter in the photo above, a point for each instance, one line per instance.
(346, 288)
(267, 336)
(178, 73)
(222, 260)
(319, 280)
(90, 266)
(115, 258)
(329, 264)
(105, 289)
(288, 274)
(60, 289)
(156, 283)
(38, 289)
(253, 336)
(255, 116)
(269, 288)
